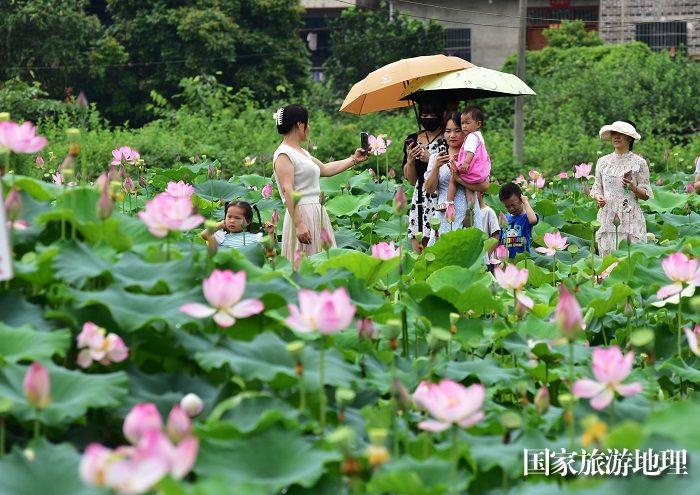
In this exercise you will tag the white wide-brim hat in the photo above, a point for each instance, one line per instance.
(622, 128)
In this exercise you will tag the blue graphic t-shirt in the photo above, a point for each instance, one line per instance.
(516, 237)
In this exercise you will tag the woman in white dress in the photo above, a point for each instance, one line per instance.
(296, 171)
(621, 180)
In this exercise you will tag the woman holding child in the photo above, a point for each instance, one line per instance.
(439, 177)
(621, 180)
(296, 171)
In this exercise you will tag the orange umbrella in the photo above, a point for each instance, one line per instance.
(381, 89)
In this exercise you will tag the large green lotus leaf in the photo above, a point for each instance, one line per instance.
(664, 201)
(389, 229)
(53, 470)
(133, 311)
(486, 370)
(266, 358)
(346, 238)
(81, 201)
(334, 183)
(72, 393)
(274, 459)
(132, 271)
(77, 262)
(490, 452)
(409, 476)
(363, 266)
(37, 267)
(214, 190)
(38, 189)
(683, 370)
(17, 311)
(166, 390)
(456, 278)
(462, 247)
(25, 343)
(248, 412)
(677, 421)
(546, 207)
(610, 299)
(347, 205)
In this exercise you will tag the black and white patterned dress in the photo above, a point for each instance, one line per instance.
(422, 208)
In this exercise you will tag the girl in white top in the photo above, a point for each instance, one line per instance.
(296, 171)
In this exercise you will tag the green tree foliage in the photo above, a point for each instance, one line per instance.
(171, 40)
(363, 40)
(571, 34)
(581, 89)
(56, 42)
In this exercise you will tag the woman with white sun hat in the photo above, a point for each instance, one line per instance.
(621, 180)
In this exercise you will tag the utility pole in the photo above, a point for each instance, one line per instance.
(520, 72)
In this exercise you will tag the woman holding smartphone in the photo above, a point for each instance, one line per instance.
(418, 148)
(296, 171)
(621, 180)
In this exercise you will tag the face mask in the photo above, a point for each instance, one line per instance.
(430, 123)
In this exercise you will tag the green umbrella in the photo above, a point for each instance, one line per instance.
(468, 84)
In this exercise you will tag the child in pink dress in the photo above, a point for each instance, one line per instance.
(473, 162)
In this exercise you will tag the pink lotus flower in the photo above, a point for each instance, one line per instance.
(371, 172)
(267, 191)
(326, 311)
(365, 329)
(450, 403)
(37, 386)
(534, 174)
(450, 213)
(125, 154)
(20, 138)
(502, 220)
(539, 182)
(377, 145)
(563, 175)
(385, 251)
(684, 273)
(554, 242)
(583, 171)
(179, 189)
(542, 400)
(692, 336)
(57, 178)
(514, 279)
(81, 101)
(519, 179)
(141, 419)
(165, 213)
(223, 290)
(610, 369)
(179, 424)
(499, 255)
(568, 314)
(192, 404)
(689, 188)
(99, 346)
(104, 204)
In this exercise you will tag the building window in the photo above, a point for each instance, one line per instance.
(662, 35)
(458, 42)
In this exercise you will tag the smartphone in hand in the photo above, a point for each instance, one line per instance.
(442, 145)
(364, 142)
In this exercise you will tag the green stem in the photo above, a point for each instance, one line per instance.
(680, 331)
(302, 393)
(2, 437)
(612, 413)
(455, 460)
(572, 418)
(321, 389)
(36, 424)
(404, 331)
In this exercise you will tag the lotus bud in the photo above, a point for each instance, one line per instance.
(586, 188)
(179, 424)
(105, 204)
(295, 348)
(326, 239)
(542, 400)
(296, 197)
(344, 397)
(142, 182)
(81, 101)
(451, 213)
(129, 185)
(211, 171)
(392, 173)
(502, 220)
(568, 314)
(141, 419)
(4, 116)
(37, 386)
(434, 223)
(628, 310)
(616, 220)
(13, 205)
(39, 161)
(267, 191)
(365, 328)
(275, 217)
(398, 390)
(689, 188)
(192, 405)
(400, 204)
(371, 172)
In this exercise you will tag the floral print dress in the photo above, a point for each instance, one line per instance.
(622, 202)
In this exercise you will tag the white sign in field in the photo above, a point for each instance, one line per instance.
(5, 254)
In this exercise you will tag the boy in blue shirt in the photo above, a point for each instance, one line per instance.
(521, 218)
